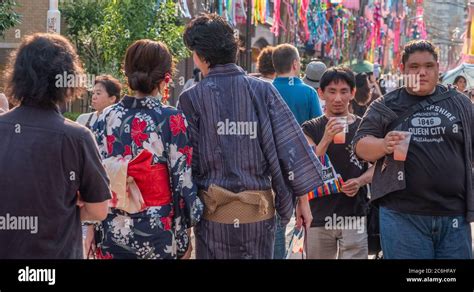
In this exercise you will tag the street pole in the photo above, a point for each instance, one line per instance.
(248, 36)
(53, 24)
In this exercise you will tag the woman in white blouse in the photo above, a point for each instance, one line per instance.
(106, 92)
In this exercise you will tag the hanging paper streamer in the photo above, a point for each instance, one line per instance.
(230, 11)
(304, 18)
(396, 34)
(259, 10)
(471, 37)
(296, 6)
(225, 11)
(219, 7)
(277, 23)
(268, 10)
(239, 12)
(338, 18)
(291, 13)
(255, 11)
(263, 11)
(377, 24)
(332, 25)
(348, 31)
(292, 22)
(320, 29)
(419, 30)
(351, 4)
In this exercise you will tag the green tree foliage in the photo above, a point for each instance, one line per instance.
(102, 30)
(8, 17)
(83, 19)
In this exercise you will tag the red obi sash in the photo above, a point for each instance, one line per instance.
(153, 181)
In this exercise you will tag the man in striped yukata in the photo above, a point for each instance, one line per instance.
(250, 156)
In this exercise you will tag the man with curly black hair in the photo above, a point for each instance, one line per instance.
(49, 165)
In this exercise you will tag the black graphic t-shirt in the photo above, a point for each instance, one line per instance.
(347, 165)
(434, 169)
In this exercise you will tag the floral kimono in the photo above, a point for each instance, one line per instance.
(152, 228)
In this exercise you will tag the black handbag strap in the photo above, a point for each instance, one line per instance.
(421, 105)
(88, 123)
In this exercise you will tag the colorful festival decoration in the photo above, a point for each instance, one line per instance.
(332, 183)
(468, 48)
(338, 29)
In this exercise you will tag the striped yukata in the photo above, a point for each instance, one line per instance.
(244, 137)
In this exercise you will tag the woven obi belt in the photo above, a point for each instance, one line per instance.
(137, 183)
(224, 206)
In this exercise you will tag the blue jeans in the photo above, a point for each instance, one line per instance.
(280, 240)
(406, 236)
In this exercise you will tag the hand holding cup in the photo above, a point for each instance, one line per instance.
(341, 128)
(397, 142)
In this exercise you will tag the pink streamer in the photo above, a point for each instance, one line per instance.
(396, 35)
(303, 17)
(377, 20)
(277, 19)
(419, 17)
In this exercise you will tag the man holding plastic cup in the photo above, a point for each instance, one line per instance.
(344, 194)
(420, 137)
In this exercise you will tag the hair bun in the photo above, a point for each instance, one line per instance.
(141, 81)
(146, 64)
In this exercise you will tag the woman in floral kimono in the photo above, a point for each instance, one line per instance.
(145, 149)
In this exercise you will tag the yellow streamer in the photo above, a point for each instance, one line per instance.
(471, 47)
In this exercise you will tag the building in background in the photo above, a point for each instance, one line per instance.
(33, 19)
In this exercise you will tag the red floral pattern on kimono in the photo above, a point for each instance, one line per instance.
(124, 130)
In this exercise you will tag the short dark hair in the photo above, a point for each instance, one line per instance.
(283, 57)
(265, 62)
(197, 74)
(146, 64)
(212, 38)
(336, 74)
(362, 94)
(419, 46)
(33, 69)
(111, 85)
(459, 77)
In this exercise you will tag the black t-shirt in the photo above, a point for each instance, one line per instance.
(44, 160)
(346, 164)
(435, 168)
